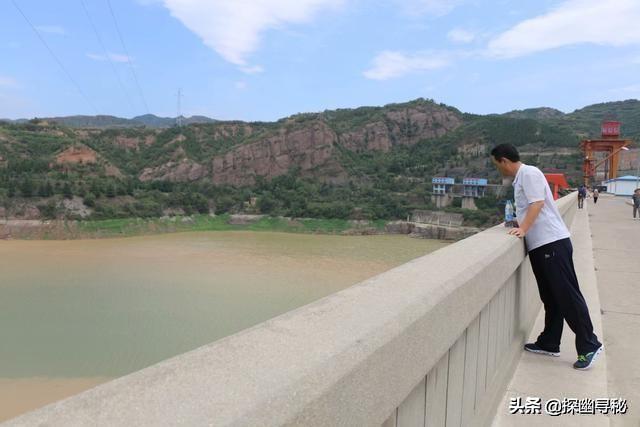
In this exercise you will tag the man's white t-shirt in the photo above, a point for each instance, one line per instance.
(531, 186)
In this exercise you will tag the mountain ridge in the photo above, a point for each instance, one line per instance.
(326, 164)
(627, 111)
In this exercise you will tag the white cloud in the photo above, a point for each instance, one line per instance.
(392, 64)
(115, 57)
(460, 35)
(253, 69)
(428, 7)
(51, 29)
(6, 81)
(607, 23)
(234, 28)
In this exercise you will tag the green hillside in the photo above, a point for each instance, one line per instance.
(43, 163)
(587, 120)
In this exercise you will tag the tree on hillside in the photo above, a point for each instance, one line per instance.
(111, 191)
(96, 188)
(27, 187)
(266, 203)
(224, 204)
(130, 187)
(11, 188)
(45, 189)
(66, 191)
(48, 210)
(90, 200)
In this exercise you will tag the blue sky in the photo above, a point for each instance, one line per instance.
(266, 59)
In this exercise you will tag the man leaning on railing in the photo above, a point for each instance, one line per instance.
(550, 253)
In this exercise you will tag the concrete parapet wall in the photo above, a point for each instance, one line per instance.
(437, 218)
(442, 232)
(434, 339)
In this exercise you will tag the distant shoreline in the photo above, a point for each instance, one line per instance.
(128, 227)
(15, 229)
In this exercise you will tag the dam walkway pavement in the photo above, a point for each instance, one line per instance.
(606, 241)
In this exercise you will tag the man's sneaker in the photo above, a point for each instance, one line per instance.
(585, 361)
(533, 348)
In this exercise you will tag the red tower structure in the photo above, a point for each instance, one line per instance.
(557, 182)
(610, 143)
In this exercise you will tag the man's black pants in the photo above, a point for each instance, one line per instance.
(560, 293)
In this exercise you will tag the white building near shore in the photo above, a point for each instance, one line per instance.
(622, 186)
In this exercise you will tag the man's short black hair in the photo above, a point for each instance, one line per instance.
(505, 151)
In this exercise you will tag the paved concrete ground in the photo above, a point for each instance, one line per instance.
(616, 247)
(554, 377)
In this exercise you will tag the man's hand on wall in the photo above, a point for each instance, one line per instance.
(518, 232)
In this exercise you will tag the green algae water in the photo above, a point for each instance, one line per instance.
(80, 312)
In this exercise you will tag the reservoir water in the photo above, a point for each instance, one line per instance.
(77, 313)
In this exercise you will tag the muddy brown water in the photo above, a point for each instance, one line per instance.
(77, 313)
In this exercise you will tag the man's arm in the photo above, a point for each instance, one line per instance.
(532, 214)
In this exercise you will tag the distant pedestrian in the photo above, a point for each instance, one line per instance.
(636, 203)
(551, 255)
(596, 194)
(582, 194)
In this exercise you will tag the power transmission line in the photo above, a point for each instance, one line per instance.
(107, 56)
(126, 52)
(179, 116)
(64, 69)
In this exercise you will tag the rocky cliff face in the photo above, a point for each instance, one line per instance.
(235, 152)
(404, 127)
(311, 146)
(176, 171)
(77, 154)
(81, 154)
(134, 143)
